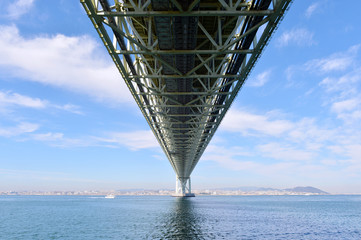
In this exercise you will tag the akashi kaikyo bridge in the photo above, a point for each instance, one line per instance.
(184, 63)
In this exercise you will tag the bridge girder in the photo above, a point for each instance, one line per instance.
(184, 62)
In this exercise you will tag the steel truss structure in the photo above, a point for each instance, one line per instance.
(184, 62)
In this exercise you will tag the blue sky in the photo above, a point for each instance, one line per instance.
(68, 122)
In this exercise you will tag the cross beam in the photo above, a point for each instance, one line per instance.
(184, 62)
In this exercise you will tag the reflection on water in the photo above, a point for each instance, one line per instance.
(182, 222)
(163, 217)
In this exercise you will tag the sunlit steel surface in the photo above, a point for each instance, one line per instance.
(184, 62)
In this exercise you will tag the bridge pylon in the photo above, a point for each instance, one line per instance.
(183, 187)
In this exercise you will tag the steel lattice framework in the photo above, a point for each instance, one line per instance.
(184, 62)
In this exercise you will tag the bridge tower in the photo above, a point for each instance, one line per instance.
(183, 187)
(184, 63)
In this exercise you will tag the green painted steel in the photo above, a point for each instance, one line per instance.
(184, 62)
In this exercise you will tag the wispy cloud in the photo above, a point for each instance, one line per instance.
(249, 123)
(335, 62)
(133, 140)
(290, 163)
(342, 91)
(296, 36)
(71, 63)
(21, 128)
(57, 139)
(9, 98)
(18, 8)
(287, 153)
(275, 125)
(227, 157)
(345, 62)
(49, 137)
(305, 141)
(316, 148)
(305, 148)
(69, 108)
(345, 100)
(345, 105)
(260, 79)
(310, 134)
(312, 9)
(15, 99)
(345, 85)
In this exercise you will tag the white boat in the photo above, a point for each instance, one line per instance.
(110, 196)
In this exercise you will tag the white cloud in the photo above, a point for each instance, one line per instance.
(311, 9)
(327, 65)
(133, 140)
(71, 63)
(294, 160)
(19, 8)
(293, 164)
(336, 62)
(250, 124)
(8, 98)
(345, 105)
(307, 131)
(15, 99)
(346, 85)
(341, 78)
(283, 139)
(260, 80)
(333, 63)
(342, 93)
(48, 137)
(287, 153)
(351, 157)
(69, 107)
(60, 140)
(290, 72)
(297, 36)
(20, 129)
(351, 117)
(318, 148)
(354, 152)
(306, 148)
(226, 157)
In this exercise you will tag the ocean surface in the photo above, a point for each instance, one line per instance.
(164, 217)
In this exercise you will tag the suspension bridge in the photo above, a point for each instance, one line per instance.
(184, 61)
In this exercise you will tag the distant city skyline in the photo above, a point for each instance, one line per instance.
(220, 191)
(69, 123)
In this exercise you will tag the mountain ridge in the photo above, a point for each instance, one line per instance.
(298, 189)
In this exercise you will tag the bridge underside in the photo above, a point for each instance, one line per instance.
(184, 62)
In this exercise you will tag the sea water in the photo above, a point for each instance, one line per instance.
(165, 217)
